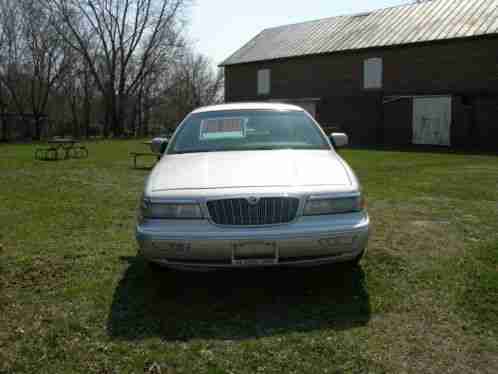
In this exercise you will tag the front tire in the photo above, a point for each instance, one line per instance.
(356, 261)
(155, 267)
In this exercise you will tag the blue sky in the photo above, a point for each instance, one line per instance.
(220, 27)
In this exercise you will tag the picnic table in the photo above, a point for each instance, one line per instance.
(69, 147)
(151, 153)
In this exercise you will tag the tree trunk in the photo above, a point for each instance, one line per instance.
(109, 113)
(87, 107)
(115, 112)
(86, 116)
(74, 114)
(107, 122)
(146, 119)
(38, 127)
(116, 122)
(141, 130)
(120, 115)
(4, 136)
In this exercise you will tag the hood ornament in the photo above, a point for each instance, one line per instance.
(253, 200)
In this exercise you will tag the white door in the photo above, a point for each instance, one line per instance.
(432, 120)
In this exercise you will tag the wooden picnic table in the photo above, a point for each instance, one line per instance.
(72, 148)
(136, 155)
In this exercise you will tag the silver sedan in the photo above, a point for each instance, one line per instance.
(251, 185)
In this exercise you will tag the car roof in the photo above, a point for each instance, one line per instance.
(249, 106)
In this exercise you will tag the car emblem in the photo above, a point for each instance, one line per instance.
(253, 200)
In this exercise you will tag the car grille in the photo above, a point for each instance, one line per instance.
(267, 211)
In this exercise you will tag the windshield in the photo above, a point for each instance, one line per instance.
(247, 130)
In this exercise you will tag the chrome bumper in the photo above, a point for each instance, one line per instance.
(307, 241)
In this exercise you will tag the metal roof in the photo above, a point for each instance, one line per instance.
(422, 22)
(249, 106)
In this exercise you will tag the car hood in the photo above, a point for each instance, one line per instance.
(249, 169)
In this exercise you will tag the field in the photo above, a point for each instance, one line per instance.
(74, 298)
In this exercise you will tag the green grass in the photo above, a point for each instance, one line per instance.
(74, 298)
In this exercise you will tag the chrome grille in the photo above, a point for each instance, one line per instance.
(267, 211)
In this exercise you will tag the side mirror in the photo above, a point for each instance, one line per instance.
(158, 145)
(339, 139)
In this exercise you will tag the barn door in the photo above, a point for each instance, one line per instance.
(431, 120)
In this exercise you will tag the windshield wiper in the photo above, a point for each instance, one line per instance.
(198, 151)
(261, 148)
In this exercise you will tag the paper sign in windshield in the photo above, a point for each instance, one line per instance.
(222, 128)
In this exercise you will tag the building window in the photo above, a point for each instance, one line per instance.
(372, 73)
(264, 82)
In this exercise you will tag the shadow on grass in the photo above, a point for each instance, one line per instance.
(236, 304)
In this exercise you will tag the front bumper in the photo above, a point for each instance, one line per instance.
(198, 244)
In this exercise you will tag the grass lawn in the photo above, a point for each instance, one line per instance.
(74, 298)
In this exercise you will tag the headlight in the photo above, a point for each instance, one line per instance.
(338, 205)
(170, 210)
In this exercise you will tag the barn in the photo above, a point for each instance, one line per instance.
(424, 73)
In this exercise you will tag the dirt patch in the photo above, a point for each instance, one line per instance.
(427, 340)
(431, 238)
(410, 229)
(40, 273)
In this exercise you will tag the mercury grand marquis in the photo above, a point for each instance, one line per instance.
(251, 185)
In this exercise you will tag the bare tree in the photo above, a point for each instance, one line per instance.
(121, 41)
(48, 58)
(195, 83)
(78, 90)
(201, 81)
(32, 58)
(12, 56)
(152, 89)
(120, 62)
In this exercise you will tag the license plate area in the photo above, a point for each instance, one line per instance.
(255, 253)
